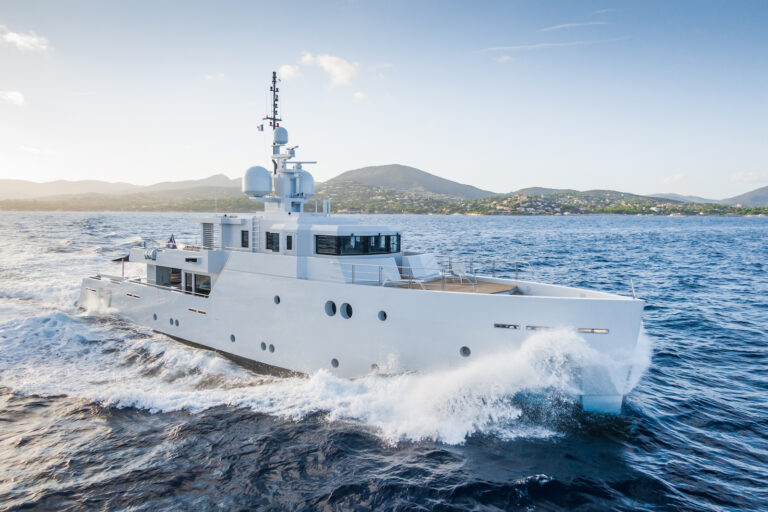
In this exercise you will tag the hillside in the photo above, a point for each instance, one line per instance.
(685, 199)
(21, 189)
(402, 178)
(398, 189)
(757, 197)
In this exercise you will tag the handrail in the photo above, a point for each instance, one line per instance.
(163, 287)
(405, 274)
(138, 280)
(452, 268)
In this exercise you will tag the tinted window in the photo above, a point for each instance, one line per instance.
(353, 245)
(289, 243)
(243, 239)
(273, 241)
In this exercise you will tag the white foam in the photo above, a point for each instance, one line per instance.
(121, 365)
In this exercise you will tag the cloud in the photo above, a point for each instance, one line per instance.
(287, 72)
(12, 97)
(572, 25)
(675, 178)
(750, 177)
(215, 77)
(37, 151)
(340, 70)
(540, 46)
(501, 59)
(358, 97)
(306, 58)
(25, 42)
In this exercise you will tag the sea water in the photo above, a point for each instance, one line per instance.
(101, 413)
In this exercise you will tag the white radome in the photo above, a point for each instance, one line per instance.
(281, 135)
(306, 184)
(257, 182)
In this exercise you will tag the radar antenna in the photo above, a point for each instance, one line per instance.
(274, 120)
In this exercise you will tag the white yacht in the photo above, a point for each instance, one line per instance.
(295, 292)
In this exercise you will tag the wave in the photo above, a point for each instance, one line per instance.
(120, 365)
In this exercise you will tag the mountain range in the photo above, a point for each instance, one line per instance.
(393, 182)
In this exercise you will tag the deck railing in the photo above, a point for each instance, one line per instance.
(143, 282)
(452, 272)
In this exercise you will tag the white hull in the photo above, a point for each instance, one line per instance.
(423, 330)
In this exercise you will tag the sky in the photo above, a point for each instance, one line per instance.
(642, 97)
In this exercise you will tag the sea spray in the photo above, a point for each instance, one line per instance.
(119, 365)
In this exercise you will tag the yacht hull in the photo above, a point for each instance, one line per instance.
(286, 323)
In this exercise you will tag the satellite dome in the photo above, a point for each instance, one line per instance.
(306, 184)
(257, 182)
(281, 135)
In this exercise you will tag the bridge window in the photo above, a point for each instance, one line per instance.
(353, 245)
(273, 242)
(243, 238)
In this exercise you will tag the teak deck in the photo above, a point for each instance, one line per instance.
(457, 286)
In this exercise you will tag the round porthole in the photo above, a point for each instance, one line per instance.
(464, 351)
(176, 322)
(277, 299)
(335, 362)
(346, 310)
(154, 317)
(330, 308)
(171, 321)
(263, 346)
(271, 347)
(382, 315)
(232, 338)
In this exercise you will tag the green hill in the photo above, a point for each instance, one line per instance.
(402, 178)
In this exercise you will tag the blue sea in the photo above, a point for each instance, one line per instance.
(100, 414)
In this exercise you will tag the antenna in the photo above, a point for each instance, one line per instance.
(274, 119)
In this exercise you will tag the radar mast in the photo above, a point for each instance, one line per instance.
(291, 184)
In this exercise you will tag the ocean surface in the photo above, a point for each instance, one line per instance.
(98, 413)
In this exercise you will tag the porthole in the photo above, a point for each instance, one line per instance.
(176, 322)
(263, 346)
(335, 362)
(330, 308)
(154, 317)
(382, 315)
(271, 347)
(171, 320)
(346, 310)
(277, 299)
(464, 351)
(232, 338)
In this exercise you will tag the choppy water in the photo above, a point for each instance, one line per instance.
(98, 413)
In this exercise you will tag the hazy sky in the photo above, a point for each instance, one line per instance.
(644, 97)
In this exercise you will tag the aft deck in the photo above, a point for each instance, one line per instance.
(460, 285)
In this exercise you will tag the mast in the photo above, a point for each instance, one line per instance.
(274, 120)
